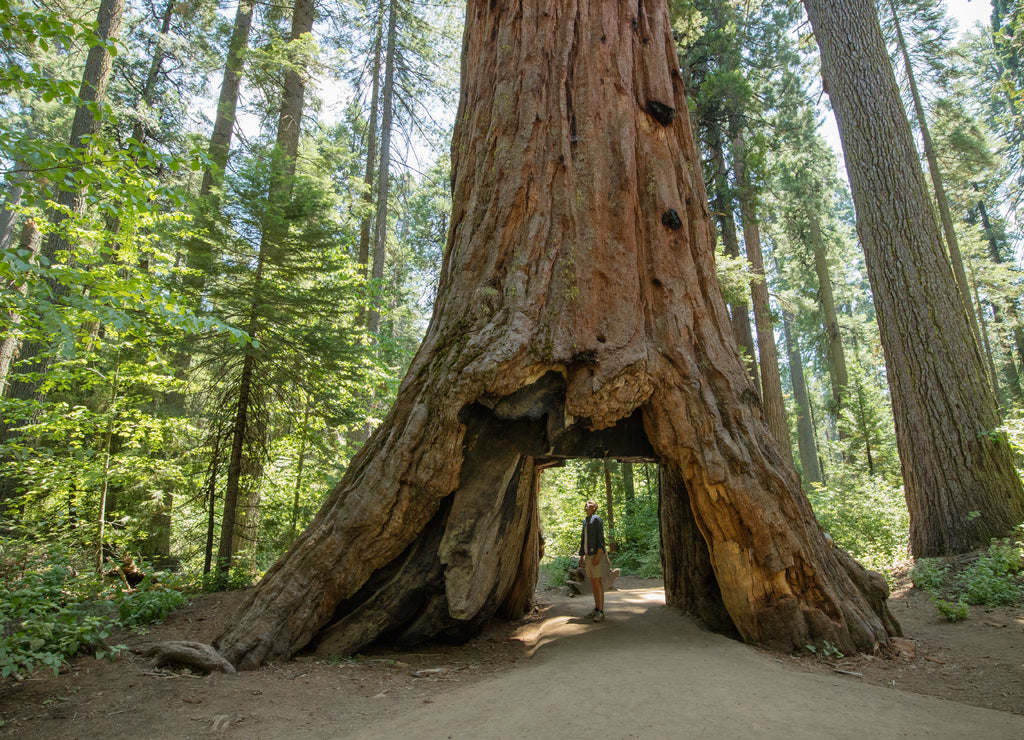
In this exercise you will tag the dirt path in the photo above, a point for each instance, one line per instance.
(647, 672)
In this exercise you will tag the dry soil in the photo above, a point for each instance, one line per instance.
(647, 671)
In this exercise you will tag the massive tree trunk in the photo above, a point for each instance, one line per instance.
(578, 315)
(959, 479)
(956, 260)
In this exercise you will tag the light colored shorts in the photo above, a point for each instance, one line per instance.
(601, 570)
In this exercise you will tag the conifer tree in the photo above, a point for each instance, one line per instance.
(960, 482)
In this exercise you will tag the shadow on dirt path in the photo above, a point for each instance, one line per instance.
(650, 672)
(647, 672)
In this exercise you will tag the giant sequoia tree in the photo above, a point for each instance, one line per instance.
(578, 316)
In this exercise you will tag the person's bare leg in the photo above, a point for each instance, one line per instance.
(598, 587)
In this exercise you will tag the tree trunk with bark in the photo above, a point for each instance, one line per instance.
(772, 400)
(806, 445)
(578, 315)
(380, 229)
(241, 496)
(227, 103)
(959, 479)
(723, 205)
(628, 488)
(30, 241)
(609, 503)
(956, 260)
(369, 178)
(834, 354)
(140, 131)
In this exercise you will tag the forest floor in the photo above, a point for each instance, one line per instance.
(646, 672)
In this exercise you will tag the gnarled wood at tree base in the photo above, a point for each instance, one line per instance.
(578, 315)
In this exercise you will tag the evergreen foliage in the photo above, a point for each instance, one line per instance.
(142, 326)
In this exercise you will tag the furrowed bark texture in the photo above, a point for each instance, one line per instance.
(578, 316)
(959, 478)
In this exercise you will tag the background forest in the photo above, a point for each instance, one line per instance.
(221, 231)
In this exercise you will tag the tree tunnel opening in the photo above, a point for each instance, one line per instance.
(480, 554)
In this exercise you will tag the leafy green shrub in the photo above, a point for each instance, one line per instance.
(45, 621)
(994, 578)
(953, 611)
(1013, 431)
(149, 602)
(51, 611)
(929, 574)
(239, 576)
(865, 515)
(553, 570)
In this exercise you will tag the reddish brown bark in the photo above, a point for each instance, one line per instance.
(578, 315)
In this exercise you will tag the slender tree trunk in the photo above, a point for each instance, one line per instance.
(723, 205)
(834, 354)
(380, 230)
(1017, 337)
(139, 131)
(246, 431)
(628, 487)
(300, 467)
(1011, 375)
(31, 242)
(227, 104)
(12, 199)
(959, 479)
(239, 430)
(578, 311)
(200, 257)
(772, 400)
(609, 502)
(372, 122)
(808, 448)
(211, 501)
(978, 311)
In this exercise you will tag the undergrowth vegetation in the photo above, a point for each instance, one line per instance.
(994, 578)
(55, 603)
(54, 606)
(865, 515)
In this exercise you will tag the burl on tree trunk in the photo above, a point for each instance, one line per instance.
(578, 315)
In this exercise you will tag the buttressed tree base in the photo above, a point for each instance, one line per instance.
(578, 315)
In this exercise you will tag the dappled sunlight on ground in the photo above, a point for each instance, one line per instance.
(566, 618)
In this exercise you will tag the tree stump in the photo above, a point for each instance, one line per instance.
(578, 315)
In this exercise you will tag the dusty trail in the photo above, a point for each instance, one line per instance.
(648, 672)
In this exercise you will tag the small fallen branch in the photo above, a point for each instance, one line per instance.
(848, 673)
